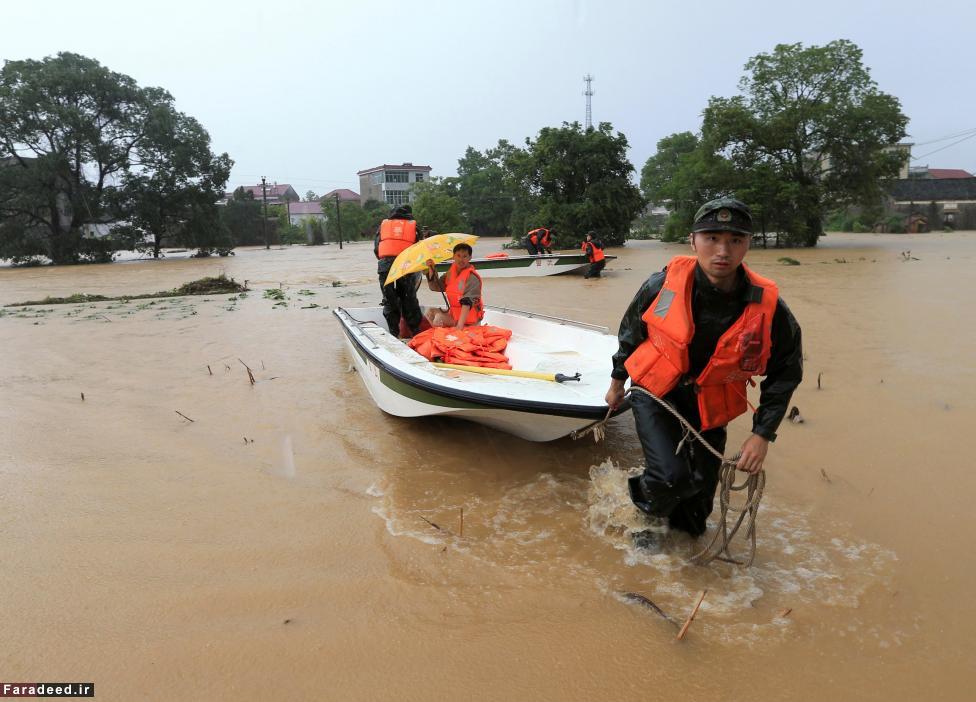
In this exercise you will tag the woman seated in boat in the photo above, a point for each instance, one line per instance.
(462, 286)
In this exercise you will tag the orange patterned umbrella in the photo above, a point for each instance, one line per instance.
(439, 247)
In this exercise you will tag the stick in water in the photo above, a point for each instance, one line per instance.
(691, 617)
(184, 416)
(430, 522)
(461, 531)
(250, 375)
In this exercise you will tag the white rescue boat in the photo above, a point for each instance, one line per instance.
(526, 266)
(405, 384)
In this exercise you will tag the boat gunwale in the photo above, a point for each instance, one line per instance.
(444, 265)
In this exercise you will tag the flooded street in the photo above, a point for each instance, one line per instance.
(276, 545)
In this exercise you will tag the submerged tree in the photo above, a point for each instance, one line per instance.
(174, 183)
(243, 218)
(485, 189)
(580, 180)
(72, 134)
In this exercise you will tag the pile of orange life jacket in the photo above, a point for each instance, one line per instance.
(472, 346)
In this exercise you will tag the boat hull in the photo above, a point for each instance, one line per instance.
(398, 387)
(526, 266)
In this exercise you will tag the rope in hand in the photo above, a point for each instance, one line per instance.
(754, 485)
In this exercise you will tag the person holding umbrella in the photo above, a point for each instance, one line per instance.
(462, 287)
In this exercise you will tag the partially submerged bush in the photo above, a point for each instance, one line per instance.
(220, 284)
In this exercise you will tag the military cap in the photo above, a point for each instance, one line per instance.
(725, 214)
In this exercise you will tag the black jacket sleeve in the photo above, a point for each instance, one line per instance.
(784, 371)
(632, 329)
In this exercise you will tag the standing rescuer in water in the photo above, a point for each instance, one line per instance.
(695, 335)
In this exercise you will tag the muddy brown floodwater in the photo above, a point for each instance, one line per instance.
(274, 548)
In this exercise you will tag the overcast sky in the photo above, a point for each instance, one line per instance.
(308, 93)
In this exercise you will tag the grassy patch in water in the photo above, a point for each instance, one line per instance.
(220, 284)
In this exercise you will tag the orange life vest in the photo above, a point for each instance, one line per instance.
(541, 237)
(473, 346)
(742, 352)
(454, 284)
(594, 252)
(395, 236)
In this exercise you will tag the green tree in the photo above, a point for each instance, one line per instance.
(174, 184)
(486, 190)
(317, 230)
(580, 181)
(356, 222)
(242, 216)
(435, 207)
(682, 174)
(205, 230)
(287, 232)
(310, 196)
(816, 124)
(70, 132)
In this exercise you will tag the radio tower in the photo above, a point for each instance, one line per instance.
(588, 79)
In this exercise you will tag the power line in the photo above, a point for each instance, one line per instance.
(943, 148)
(950, 136)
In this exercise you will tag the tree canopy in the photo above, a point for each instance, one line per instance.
(83, 147)
(356, 222)
(683, 174)
(243, 218)
(486, 190)
(568, 179)
(809, 131)
(580, 180)
(435, 207)
(173, 184)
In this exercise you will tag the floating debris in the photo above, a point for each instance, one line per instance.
(250, 375)
(691, 617)
(649, 604)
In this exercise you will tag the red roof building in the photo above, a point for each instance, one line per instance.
(949, 173)
(345, 195)
(277, 193)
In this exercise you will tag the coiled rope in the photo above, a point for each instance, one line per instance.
(754, 484)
